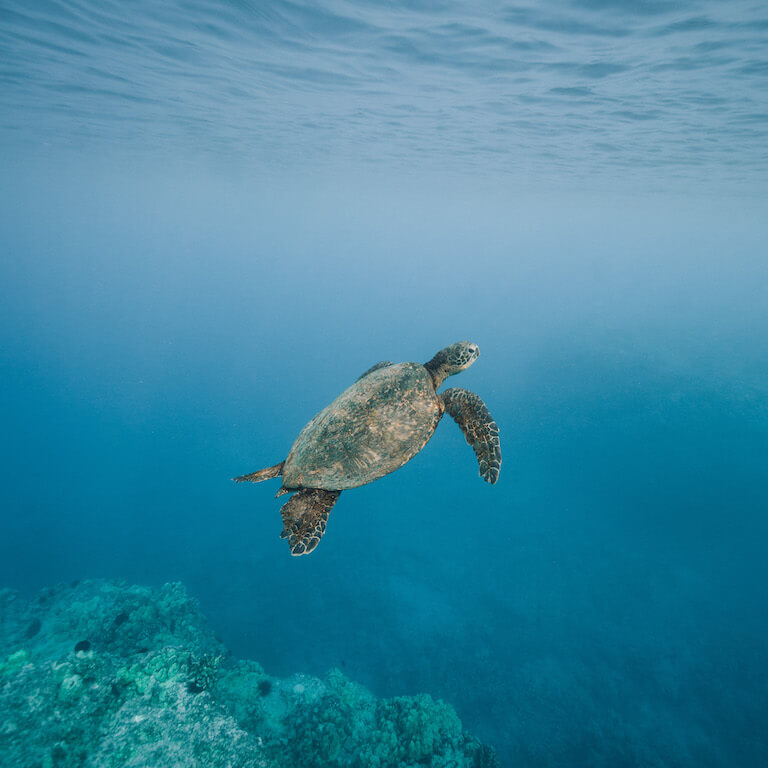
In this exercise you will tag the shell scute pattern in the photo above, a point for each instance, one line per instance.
(374, 427)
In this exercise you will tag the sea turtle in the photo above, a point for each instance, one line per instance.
(371, 429)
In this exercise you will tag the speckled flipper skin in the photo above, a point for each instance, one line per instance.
(305, 516)
(478, 426)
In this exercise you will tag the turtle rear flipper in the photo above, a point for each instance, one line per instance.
(471, 414)
(305, 515)
(262, 474)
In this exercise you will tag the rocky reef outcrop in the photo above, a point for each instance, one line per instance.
(100, 674)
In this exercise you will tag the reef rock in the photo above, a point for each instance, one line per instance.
(100, 674)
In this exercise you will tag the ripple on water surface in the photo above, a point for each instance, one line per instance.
(582, 87)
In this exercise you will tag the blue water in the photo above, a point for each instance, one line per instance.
(215, 215)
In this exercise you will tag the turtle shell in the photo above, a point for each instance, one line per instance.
(371, 429)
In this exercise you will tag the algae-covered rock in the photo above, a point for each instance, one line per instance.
(100, 674)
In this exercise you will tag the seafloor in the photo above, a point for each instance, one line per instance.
(100, 673)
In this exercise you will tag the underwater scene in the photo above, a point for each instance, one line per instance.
(471, 299)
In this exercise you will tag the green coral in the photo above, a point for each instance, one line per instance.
(419, 725)
(156, 674)
(252, 697)
(336, 722)
(152, 687)
(70, 688)
(15, 661)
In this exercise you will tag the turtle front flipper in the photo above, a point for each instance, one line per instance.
(478, 426)
(305, 515)
(382, 364)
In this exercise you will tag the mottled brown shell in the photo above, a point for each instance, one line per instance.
(371, 429)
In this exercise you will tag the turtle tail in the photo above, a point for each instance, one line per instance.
(262, 474)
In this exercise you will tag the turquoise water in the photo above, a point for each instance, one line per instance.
(214, 216)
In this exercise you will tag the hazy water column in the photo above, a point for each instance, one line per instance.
(152, 351)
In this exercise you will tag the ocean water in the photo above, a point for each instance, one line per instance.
(215, 215)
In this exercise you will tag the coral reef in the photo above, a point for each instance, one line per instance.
(100, 674)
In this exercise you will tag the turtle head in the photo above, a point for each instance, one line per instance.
(453, 359)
